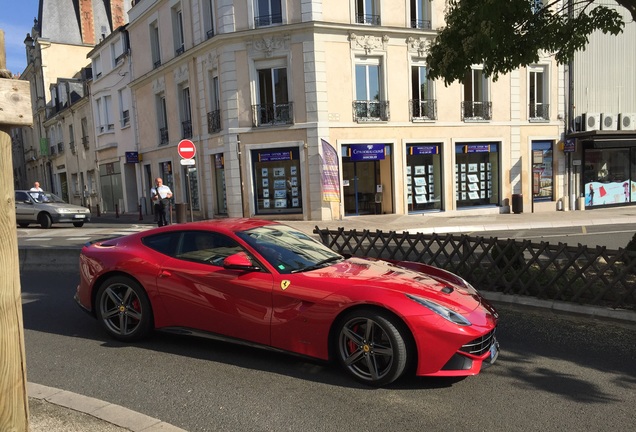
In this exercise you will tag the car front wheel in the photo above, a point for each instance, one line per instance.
(45, 221)
(371, 347)
(123, 309)
(78, 224)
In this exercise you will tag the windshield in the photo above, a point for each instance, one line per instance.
(287, 249)
(46, 197)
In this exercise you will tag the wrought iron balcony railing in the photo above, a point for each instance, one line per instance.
(370, 110)
(539, 112)
(268, 20)
(210, 33)
(156, 63)
(368, 19)
(423, 109)
(85, 142)
(421, 24)
(71, 146)
(214, 121)
(186, 129)
(273, 114)
(60, 147)
(179, 50)
(476, 111)
(163, 135)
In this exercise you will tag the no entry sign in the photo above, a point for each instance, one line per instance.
(186, 149)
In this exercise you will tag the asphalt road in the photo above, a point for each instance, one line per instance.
(555, 372)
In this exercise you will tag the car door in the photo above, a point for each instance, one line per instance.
(199, 293)
(24, 207)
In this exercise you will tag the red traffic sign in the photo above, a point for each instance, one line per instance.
(186, 149)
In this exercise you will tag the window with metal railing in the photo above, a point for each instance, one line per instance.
(475, 111)
(423, 109)
(272, 114)
(370, 110)
(214, 121)
(163, 136)
(186, 129)
(539, 112)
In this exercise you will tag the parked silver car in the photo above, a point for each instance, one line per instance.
(45, 209)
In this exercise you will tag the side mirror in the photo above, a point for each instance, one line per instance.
(239, 261)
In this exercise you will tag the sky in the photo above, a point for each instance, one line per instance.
(16, 19)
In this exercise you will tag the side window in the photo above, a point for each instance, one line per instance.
(163, 243)
(21, 197)
(206, 247)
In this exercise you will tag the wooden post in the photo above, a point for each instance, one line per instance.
(15, 110)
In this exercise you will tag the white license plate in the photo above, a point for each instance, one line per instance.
(494, 351)
(79, 216)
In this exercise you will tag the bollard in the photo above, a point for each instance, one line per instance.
(141, 216)
(98, 212)
(116, 211)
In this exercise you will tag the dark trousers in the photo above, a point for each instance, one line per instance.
(160, 213)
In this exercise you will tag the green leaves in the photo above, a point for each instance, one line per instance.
(503, 35)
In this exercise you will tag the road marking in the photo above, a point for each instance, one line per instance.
(584, 229)
(39, 239)
(78, 238)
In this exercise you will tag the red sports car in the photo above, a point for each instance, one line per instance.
(264, 283)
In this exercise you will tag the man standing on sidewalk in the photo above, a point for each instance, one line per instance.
(161, 195)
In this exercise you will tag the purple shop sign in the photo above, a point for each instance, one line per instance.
(365, 152)
(424, 150)
(477, 148)
(275, 156)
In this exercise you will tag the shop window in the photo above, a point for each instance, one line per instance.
(607, 177)
(542, 175)
(476, 174)
(423, 177)
(277, 182)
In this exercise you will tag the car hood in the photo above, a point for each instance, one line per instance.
(367, 272)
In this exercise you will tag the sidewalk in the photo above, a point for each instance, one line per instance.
(54, 410)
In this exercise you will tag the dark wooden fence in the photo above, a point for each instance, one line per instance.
(593, 276)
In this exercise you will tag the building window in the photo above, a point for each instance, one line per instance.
(273, 105)
(186, 113)
(423, 104)
(104, 106)
(214, 115)
(542, 176)
(85, 142)
(268, 12)
(277, 182)
(421, 14)
(538, 109)
(609, 174)
(208, 18)
(155, 45)
(367, 12)
(97, 67)
(177, 30)
(476, 104)
(124, 107)
(369, 104)
(476, 174)
(219, 176)
(162, 120)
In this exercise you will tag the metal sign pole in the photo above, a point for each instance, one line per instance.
(189, 193)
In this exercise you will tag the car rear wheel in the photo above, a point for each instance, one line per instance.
(78, 224)
(371, 347)
(44, 219)
(123, 309)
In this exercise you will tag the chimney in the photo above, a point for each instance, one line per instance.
(117, 12)
(87, 22)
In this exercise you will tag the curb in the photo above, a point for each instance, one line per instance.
(110, 413)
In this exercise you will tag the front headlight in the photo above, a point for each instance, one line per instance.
(64, 210)
(442, 311)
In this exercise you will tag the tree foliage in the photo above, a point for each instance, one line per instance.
(503, 35)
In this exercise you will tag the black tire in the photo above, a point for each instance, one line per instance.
(23, 225)
(371, 347)
(123, 309)
(45, 221)
(78, 224)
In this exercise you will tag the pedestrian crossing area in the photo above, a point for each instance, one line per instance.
(64, 236)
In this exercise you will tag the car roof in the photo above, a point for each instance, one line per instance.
(226, 225)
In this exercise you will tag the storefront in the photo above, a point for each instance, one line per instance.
(477, 174)
(423, 177)
(542, 172)
(609, 172)
(367, 179)
(277, 181)
(111, 186)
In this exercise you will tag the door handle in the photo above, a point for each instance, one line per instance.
(164, 274)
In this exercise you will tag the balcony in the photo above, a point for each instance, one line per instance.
(421, 24)
(186, 129)
(156, 63)
(539, 112)
(423, 109)
(71, 146)
(267, 20)
(373, 20)
(53, 150)
(210, 34)
(85, 142)
(163, 136)
(60, 148)
(370, 110)
(476, 111)
(214, 121)
(273, 114)
(180, 50)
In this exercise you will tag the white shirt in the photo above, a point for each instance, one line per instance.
(34, 189)
(162, 191)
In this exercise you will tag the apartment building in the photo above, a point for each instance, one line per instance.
(59, 148)
(322, 109)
